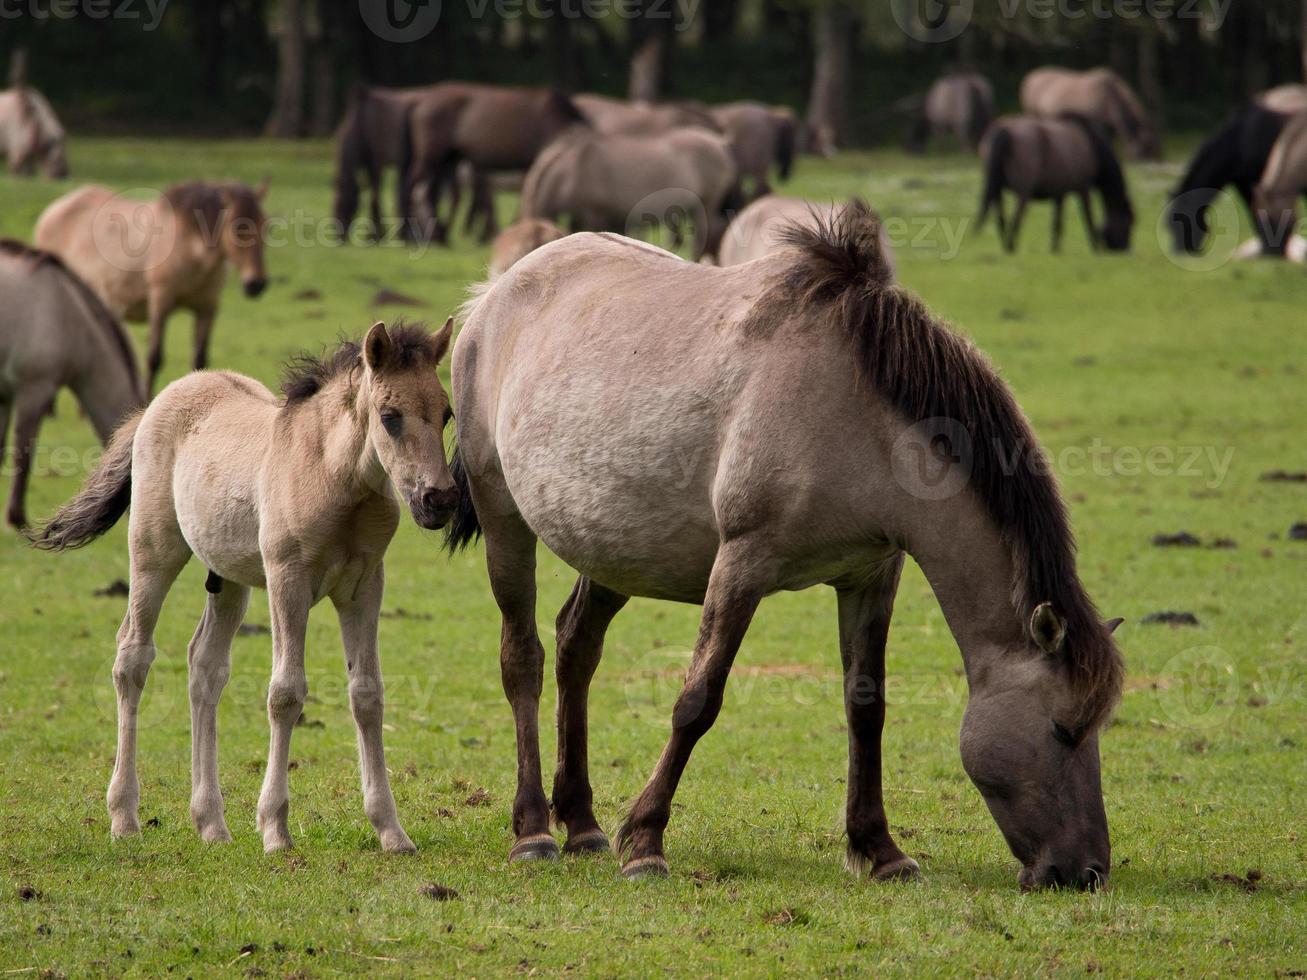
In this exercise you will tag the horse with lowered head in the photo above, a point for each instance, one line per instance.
(835, 426)
(1099, 94)
(146, 259)
(31, 134)
(296, 496)
(960, 103)
(1047, 159)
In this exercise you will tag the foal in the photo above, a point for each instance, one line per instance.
(292, 496)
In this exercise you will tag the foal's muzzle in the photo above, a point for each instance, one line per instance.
(433, 508)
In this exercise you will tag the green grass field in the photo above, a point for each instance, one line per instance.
(1162, 393)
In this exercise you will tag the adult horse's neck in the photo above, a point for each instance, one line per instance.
(105, 380)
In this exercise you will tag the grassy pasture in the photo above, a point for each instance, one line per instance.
(1162, 395)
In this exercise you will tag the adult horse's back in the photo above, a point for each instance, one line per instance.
(1099, 94)
(713, 435)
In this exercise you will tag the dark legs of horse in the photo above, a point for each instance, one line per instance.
(580, 630)
(1057, 224)
(739, 578)
(203, 331)
(864, 625)
(31, 407)
(374, 186)
(1014, 227)
(1087, 210)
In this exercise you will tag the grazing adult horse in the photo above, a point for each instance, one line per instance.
(764, 226)
(1283, 181)
(148, 258)
(832, 425)
(613, 183)
(294, 496)
(519, 239)
(1045, 160)
(961, 103)
(31, 134)
(496, 129)
(55, 332)
(1099, 94)
(761, 137)
(1234, 155)
(370, 139)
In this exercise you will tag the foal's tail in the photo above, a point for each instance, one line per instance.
(465, 527)
(103, 500)
(1000, 145)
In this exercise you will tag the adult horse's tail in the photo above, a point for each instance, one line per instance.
(1000, 145)
(465, 527)
(103, 499)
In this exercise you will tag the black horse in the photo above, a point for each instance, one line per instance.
(1233, 155)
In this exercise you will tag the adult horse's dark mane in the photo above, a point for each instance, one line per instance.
(927, 371)
(99, 312)
(306, 374)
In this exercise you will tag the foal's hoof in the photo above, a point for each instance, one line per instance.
(590, 842)
(537, 847)
(397, 842)
(653, 866)
(904, 869)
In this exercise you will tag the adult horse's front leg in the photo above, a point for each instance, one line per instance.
(740, 577)
(30, 409)
(289, 599)
(203, 333)
(864, 625)
(160, 307)
(1087, 212)
(580, 631)
(358, 631)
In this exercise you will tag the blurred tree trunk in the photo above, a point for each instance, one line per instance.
(651, 35)
(1151, 89)
(18, 68)
(828, 101)
(324, 73)
(287, 120)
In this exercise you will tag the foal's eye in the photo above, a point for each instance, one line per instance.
(393, 423)
(1065, 736)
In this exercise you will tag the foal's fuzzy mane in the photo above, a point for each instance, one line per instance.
(100, 313)
(306, 374)
(927, 371)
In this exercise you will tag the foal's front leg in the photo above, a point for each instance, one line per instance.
(864, 626)
(358, 631)
(289, 600)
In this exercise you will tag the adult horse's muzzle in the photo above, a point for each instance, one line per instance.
(255, 287)
(434, 508)
(1091, 877)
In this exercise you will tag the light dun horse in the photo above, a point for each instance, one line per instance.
(1045, 160)
(148, 258)
(291, 496)
(53, 332)
(31, 134)
(1281, 184)
(813, 397)
(760, 136)
(962, 104)
(1099, 94)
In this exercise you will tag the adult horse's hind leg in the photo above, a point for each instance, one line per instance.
(209, 660)
(1057, 224)
(1087, 210)
(740, 577)
(580, 630)
(511, 562)
(864, 625)
(203, 332)
(158, 553)
(1014, 227)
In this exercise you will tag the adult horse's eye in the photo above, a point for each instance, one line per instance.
(1065, 736)
(393, 423)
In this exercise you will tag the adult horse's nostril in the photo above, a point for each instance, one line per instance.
(1093, 877)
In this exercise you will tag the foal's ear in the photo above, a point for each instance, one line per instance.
(438, 343)
(376, 346)
(1047, 628)
(1112, 624)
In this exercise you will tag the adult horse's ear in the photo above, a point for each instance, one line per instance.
(1047, 628)
(376, 346)
(439, 342)
(261, 191)
(1112, 624)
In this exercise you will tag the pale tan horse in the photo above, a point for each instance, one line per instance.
(296, 496)
(1283, 181)
(1099, 94)
(148, 258)
(520, 239)
(31, 134)
(1283, 98)
(586, 180)
(764, 226)
(715, 435)
(960, 103)
(617, 117)
(761, 137)
(55, 332)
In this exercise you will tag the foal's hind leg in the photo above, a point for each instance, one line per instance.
(210, 666)
(158, 554)
(864, 625)
(580, 629)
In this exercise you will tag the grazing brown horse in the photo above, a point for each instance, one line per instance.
(55, 332)
(961, 103)
(520, 239)
(761, 137)
(296, 496)
(1283, 181)
(146, 259)
(1099, 94)
(370, 139)
(831, 424)
(1045, 160)
(31, 134)
(496, 129)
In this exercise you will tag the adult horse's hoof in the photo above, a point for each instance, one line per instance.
(591, 842)
(653, 866)
(537, 847)
(904, 869)
(121, 827)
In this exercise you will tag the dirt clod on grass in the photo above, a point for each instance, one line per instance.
(478, 797)
(1249, 882)
(27, 893)
(391, 297)
(1298, 532)
(117, 589)
(1181, 539)
(438, 893)
(1171, 618)
(1284, 476)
